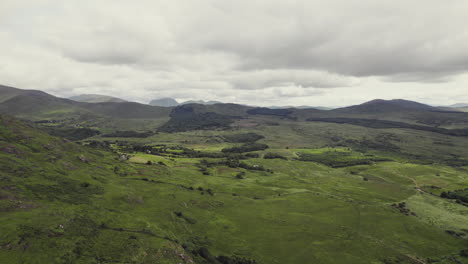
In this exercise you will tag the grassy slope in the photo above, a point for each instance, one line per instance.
(37, 105)
(52, 204)
(58, 209)
(55, 208)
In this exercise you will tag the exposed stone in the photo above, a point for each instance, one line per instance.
(83, 158)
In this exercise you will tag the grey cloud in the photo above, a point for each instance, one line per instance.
(258, 79)
(231, 50)
(360, 38)
(356, 37)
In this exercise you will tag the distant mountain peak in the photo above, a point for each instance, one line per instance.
(201, 102)
(381, 105)
(169, 102)
(96, 98)
(165, 102)
(401, 102)
(459, 105)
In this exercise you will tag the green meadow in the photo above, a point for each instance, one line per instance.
(187, 201)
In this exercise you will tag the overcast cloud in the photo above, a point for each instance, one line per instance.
(264, 52)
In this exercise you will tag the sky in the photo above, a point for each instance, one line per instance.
(257, 52)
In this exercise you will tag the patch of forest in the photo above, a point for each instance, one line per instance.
(377, 123)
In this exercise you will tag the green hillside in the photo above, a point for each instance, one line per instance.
(225, 183)
(66, 203)
(96, 98)
(59, 112)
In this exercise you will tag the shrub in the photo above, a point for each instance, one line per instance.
(73, 133)
(245, 148)
(268, 111)
(240, 175)
(271, 155)
(243, 138)
(461, 195)
(251, 155)
(129, 134)
(464, 253)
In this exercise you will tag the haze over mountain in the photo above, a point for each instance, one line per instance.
(201, 102)
(457, 105)
(167, 102)
(301, 107)
(96, 98)
(462, 109)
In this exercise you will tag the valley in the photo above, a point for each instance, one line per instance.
(122, 182)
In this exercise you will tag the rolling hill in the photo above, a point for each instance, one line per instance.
(382, 182)
(40, 104)
(393, 110)
(33, 103)
(129, 116)
(386, 106)
(96, 98)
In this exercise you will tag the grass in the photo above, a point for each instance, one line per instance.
(437, 212)
(56, 208)
(339, 157)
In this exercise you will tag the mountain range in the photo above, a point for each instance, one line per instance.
(171, 102)
(166, 102)
(96, 98)
(36, 102)
(38, 105)
(459, 105)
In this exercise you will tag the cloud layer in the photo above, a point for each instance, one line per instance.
(257, 51)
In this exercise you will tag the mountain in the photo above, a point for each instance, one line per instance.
(189, 117)
(459, 105)
(20, 102)
(301, 107)
(169, 102)
(42, 107)
(397, 110)
(7, 92)
(96, 98)
(166, 102)
(381, 106)
(201, 102)
(462, 109)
